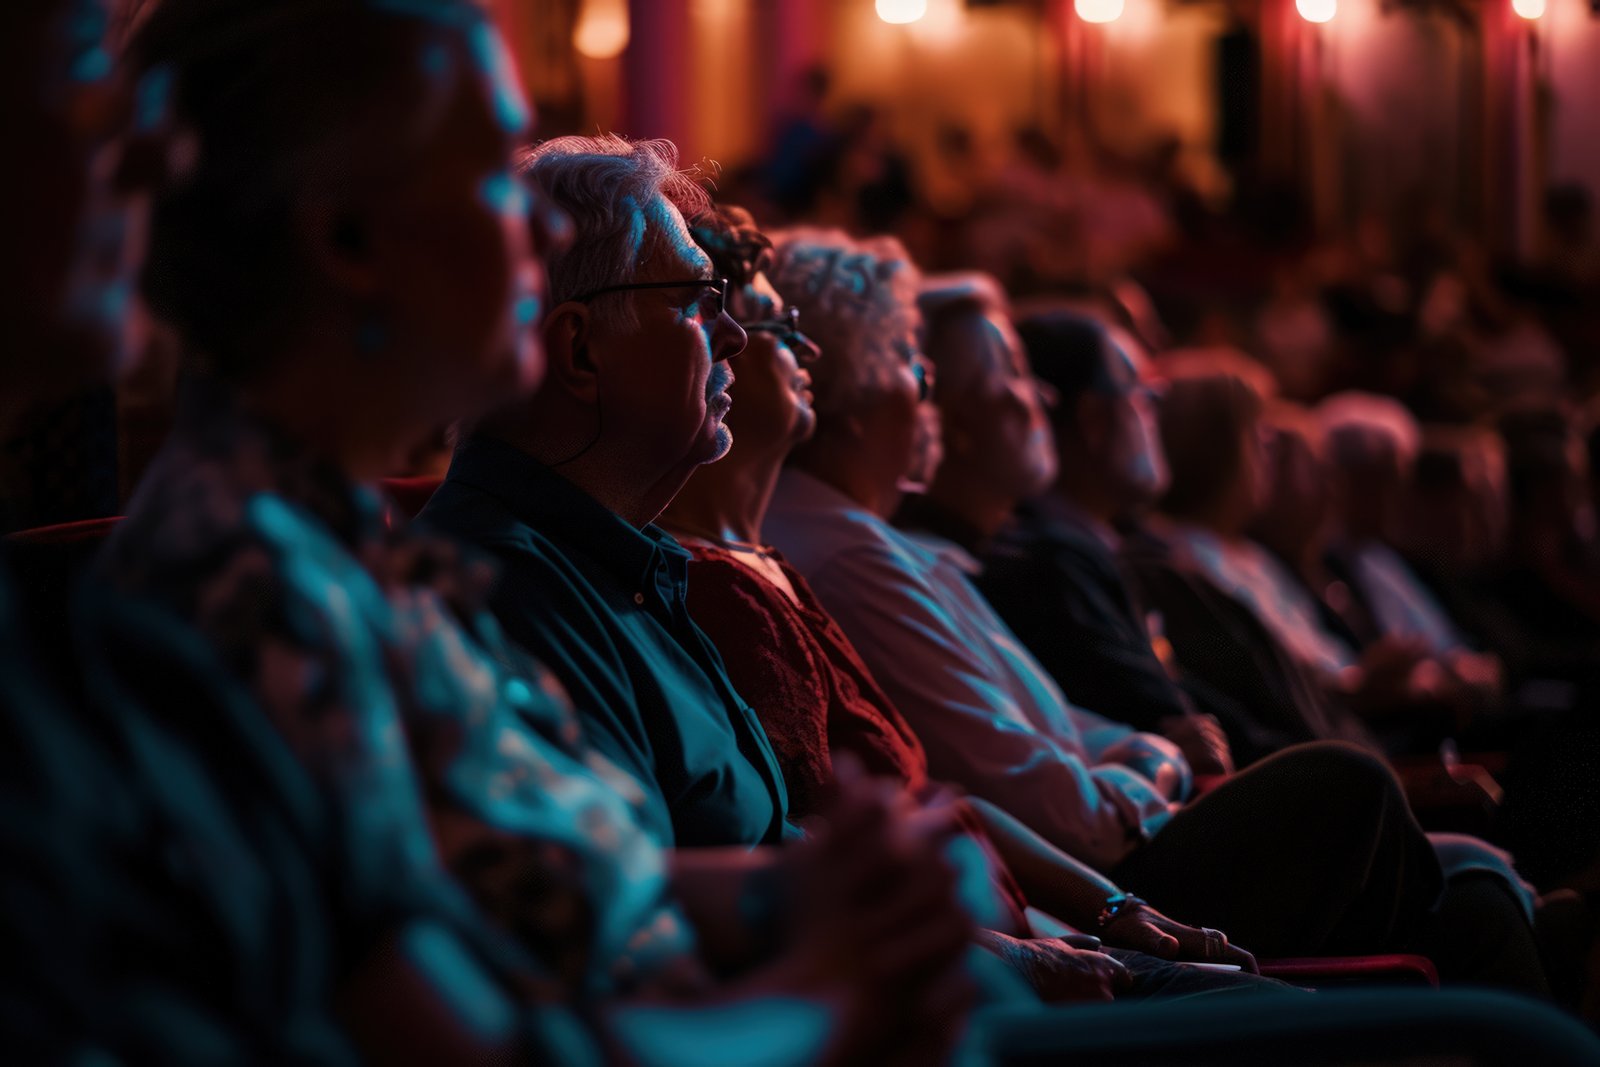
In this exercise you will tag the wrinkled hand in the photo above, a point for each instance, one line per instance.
(1059, 971)
(1146, 930)
(1387, 673)
(873, 895)
(1479, 670)
(1157, 759)
(875, 924)
(1202, 740)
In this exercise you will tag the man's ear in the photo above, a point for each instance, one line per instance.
(569, 360)
(340, 243)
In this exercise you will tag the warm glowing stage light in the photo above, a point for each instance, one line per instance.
(1098, 10)
(900, 12)
(602, 30)
(1528, 9)
(1317, 10)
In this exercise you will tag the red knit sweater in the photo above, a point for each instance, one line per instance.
(811, 691)
(802, 676)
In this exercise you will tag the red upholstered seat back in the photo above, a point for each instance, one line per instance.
(43, 565)
(1393, 968)
(85, 532)
(409, 494)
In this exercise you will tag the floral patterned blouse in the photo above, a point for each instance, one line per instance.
(440, 744)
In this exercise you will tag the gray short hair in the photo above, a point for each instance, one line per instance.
(856, 299)
(1365, 428)
(610, 187)
(947, 302)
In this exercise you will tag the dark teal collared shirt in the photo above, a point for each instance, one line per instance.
(603, 604)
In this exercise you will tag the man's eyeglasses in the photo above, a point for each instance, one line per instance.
(920, 369)
(713, 299)
(787, 330)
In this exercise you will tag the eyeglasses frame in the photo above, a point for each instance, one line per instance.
(716, 285)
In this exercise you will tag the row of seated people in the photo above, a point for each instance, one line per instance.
(528, 779)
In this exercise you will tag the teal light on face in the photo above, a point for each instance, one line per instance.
(436, 61)
(87, 34)
(92, 66)
(510, 107)
(505, 196)
(152, 100)
(527, 310)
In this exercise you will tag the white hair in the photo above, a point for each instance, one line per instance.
(857, 298)
(615, 191)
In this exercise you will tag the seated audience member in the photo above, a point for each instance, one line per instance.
(116, 949)
(1323, 825)
(1428, 695)
(1249, 513)
(1410, 701)
(564, 488)
(1541, 605)
(579, 545)
(392, 285)
(1235, 617)
(1454, 517)
(815, 697)
(1371, 453)
(1543, 594)
(1051, 571)
(1057, 575)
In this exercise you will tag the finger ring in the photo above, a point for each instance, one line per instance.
(1215, 942)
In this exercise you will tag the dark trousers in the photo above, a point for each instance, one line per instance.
(1154, 977)
(1314, 852)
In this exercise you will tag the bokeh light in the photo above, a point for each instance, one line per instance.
(899, 12)
(1317, 10)
(1528, 9)
(602, 30)
(1098, 10)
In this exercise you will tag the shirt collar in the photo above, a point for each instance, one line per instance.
(645, 558)
(801, 492)
(943, 549)
(1061, 513)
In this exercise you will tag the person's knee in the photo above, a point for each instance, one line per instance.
(1334, 764)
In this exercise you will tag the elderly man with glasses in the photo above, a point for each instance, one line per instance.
(564, 490)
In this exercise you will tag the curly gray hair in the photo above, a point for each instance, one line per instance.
(857, 300)
(613, 189)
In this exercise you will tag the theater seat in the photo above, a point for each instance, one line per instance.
(1327, 971)
(1342, 1028)
(1310, 971)
(409, 494)
(44, 564)
(1451, 792)
(84, 532)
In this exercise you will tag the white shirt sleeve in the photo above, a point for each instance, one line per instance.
(945, 682)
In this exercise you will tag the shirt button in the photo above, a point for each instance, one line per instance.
(638, 598)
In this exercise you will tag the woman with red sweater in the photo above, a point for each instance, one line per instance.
(816, 698)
